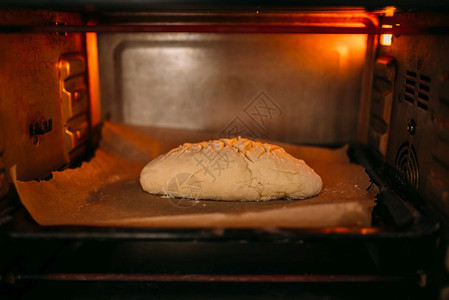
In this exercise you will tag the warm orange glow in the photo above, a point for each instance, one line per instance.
(389, 11)
(350, 19)
(351, 230)
(385, 39)
(94, 81)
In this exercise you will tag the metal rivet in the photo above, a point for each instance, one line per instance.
(411, 127)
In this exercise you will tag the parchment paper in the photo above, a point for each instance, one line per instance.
(106, 192)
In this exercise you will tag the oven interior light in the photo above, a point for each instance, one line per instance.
(385, 39)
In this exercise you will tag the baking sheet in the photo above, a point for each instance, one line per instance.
(106, 192)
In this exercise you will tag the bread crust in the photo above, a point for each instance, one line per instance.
(236, 169)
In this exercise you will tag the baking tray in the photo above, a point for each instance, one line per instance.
(392, 217)
(396, 251)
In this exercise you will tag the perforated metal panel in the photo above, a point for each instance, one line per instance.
(418, 146)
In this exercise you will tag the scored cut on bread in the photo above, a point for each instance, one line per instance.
(235, 169)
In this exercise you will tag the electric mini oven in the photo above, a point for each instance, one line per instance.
(373, 77)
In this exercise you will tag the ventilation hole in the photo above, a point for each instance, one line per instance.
(422, 105)
(423, 97)
(410, 82)
(424, 78)
(410, 91)
(424, 87)
(409, 99)
(411, 74)
(407, 164)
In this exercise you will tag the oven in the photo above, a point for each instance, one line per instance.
(90, 91)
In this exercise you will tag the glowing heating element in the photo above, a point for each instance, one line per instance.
(94, 81)
(386, 39)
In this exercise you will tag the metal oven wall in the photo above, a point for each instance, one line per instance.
(43, 95)
(414, 86)
(301, 88)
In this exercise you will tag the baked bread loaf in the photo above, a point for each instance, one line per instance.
(230, 169)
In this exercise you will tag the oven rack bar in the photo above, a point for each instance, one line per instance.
(225, 28)
(244, 278)
(194, 5)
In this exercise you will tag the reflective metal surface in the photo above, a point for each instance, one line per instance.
(418, 146)
(74, 100)
(310, 83)
(30, 104)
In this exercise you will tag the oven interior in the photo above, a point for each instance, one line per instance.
(375, 79)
